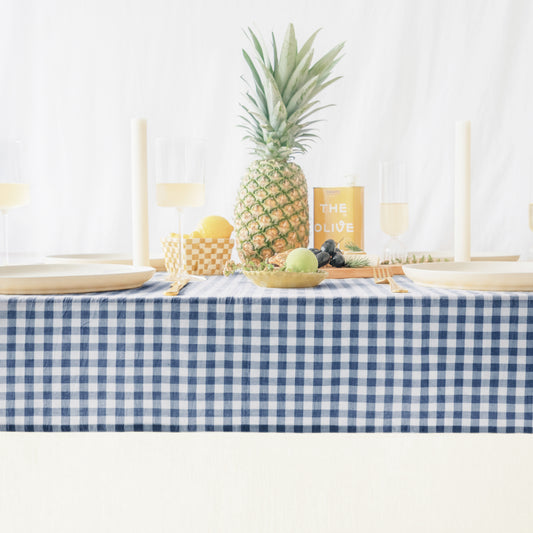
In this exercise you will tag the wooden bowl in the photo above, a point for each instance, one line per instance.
(286, 280)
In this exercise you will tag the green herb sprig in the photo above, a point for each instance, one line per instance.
(358, 262)
(412, 259)
(232, 268)
(352, 247)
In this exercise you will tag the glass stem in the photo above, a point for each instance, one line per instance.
(6, 244)
(181, 269)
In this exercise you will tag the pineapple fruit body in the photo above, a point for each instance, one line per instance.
(272, 210)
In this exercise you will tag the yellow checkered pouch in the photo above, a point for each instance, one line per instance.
(204, 257)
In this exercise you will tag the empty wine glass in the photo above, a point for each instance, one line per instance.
(13, 193)
(394, 209)
(180, 177)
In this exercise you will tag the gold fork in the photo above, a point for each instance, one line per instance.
(379, 276)
(176, 287)
(384, 275)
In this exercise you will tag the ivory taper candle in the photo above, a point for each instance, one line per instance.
(462, 191)
(139, 193)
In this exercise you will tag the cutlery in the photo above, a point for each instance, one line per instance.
(383, 275)
(176, 287)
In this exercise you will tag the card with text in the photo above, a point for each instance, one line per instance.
(339, 215)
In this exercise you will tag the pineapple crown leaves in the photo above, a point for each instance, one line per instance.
(282, 96)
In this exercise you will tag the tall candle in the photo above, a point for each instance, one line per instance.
(462, 191)
(139, 193)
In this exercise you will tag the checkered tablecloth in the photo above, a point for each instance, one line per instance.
(225, 355)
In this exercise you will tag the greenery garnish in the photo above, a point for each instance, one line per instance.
(412, 259)
(352, 247)
(231, 267)
(357, 262)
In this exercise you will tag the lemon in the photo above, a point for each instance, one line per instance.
(214, 227)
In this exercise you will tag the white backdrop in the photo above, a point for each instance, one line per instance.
(72, 74)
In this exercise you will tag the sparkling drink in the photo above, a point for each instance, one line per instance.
(180, 194)
(180, 183)
(14, 195)
(394, 209)
(394, 218)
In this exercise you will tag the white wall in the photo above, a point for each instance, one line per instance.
(72, 74)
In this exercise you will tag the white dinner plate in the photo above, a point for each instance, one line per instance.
(113, 259)
(73, 278)
(477, 275)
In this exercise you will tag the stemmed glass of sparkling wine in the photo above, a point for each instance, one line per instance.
(529, 256)
(180, 182)
(393, 209)
(13, 193)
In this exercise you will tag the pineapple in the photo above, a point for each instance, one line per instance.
(272, 211)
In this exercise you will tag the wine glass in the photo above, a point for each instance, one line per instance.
(529, 256)
(394, 209)
(180, 177)
(13, 193)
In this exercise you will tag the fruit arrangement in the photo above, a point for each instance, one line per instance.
(298, 260)
(271, 212)
(211, 227)
(214, 227)
(300, 270)
(301, 260)
(328, 260)
(328, 255)
(205, 250)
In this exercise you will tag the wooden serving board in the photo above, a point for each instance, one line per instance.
(364, 272)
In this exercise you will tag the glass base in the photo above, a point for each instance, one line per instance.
(5, 258)
(395, 251)
(528, 256)
(185, 276)
(182, 275)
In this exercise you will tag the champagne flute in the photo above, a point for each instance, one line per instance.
(13, 193)
(394, 209)
(529, 256)
(180, 177)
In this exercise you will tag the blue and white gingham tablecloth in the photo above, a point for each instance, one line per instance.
(225, 355)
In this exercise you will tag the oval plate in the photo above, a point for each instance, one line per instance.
(479, 256)
(71, 279)
(286, 280)
(476, 276)
(111, 259)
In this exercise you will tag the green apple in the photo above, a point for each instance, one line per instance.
(301, 260)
